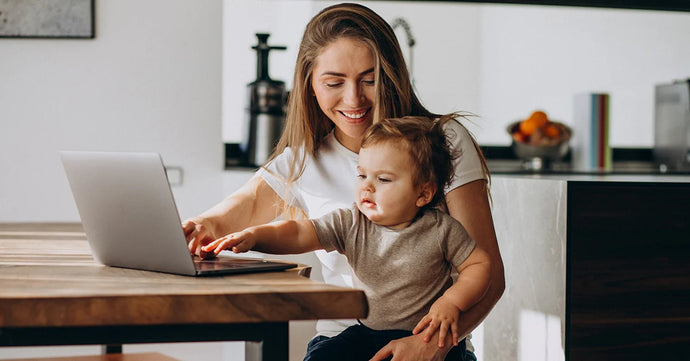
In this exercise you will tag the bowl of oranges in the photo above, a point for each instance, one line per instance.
(539, 138)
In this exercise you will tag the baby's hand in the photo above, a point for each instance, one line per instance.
(443, 315)
(238, 242)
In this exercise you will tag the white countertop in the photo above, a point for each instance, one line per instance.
(659, 178)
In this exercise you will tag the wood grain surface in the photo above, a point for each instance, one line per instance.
(48, 278)
(628, 271)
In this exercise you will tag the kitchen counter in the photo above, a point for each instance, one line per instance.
(502, 160)
(596, 268)
(514, 166)
(598, 177)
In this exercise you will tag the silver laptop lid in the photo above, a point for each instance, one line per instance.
(128, 211)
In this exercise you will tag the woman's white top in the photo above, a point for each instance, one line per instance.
(328, 183)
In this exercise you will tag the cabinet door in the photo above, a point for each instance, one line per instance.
(628, 275)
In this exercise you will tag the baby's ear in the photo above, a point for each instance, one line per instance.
(426, 194)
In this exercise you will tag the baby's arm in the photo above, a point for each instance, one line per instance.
(283, 237)
(473, 280)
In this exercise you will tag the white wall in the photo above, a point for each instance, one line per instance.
(149, 81)
(498, 61)
(541, 56)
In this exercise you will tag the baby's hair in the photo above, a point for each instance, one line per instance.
(425, 141)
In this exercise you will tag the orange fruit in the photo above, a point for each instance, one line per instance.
(528, 126)
(519, 137)
(539, 118)
(551, 130)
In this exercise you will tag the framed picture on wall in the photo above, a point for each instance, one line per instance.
(60, 19)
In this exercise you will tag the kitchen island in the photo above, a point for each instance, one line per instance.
(596, 268)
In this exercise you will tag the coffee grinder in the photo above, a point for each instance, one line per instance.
(265, 111)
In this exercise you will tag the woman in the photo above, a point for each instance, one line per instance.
(350, 73)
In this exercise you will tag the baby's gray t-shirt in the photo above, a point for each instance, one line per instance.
(401, 271)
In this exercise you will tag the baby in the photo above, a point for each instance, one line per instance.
(401, 248)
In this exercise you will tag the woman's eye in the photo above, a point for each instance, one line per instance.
(384, 180)
(333, 85)
(369, 82)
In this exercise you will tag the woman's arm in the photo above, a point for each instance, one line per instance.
(254, 203)
(469, 204)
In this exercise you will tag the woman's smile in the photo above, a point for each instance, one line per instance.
(356, 116)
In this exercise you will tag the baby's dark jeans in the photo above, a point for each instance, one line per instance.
(360, 343)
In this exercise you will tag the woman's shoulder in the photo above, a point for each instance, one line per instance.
(456, 132)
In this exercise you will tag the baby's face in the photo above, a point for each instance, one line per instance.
(385, 191)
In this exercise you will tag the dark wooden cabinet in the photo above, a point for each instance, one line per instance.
(628, 271)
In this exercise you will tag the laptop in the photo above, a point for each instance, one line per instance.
(130, 218)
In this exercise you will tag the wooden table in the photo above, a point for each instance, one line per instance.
(52, 292)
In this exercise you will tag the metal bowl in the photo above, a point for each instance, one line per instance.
(540, 156)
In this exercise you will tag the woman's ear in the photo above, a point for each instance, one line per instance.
(426, 194)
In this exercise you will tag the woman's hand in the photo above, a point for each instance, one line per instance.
(413, 348)
(197, 236)
(442, 316)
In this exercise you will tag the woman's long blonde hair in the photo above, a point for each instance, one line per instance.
(306, 125)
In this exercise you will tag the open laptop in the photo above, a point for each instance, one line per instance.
(130, 218)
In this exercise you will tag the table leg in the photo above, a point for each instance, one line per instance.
(110, 349)
(274, 347)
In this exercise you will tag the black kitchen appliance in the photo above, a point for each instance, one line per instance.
(672, 125)
(265, 109)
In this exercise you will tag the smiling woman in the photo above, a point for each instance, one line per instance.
(345, 91)
(350, 72)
